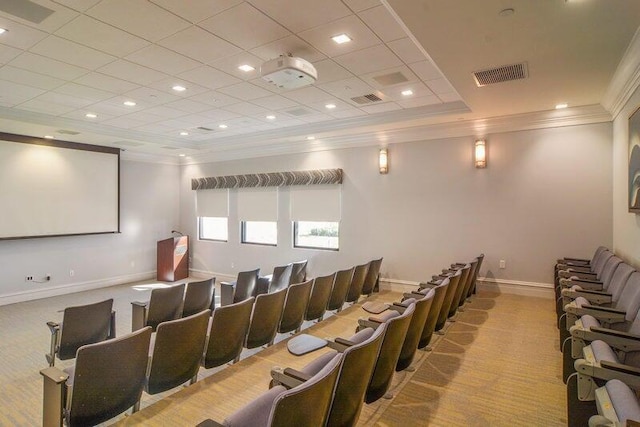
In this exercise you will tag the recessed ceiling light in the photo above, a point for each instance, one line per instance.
(407, 92)
(246, 68)
(48, 137)
(311, 138)
(184, 133)
(341, 38)
(271, 117)
(91, 115)
(181, 155)
(179, 88)
(223, 126)
(330, 106)
(3, 30)
(561, 106)
(129, 103)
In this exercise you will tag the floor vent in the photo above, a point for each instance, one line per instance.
(505, 73)
(366, 99)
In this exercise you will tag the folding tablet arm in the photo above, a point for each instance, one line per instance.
(605, 315)
(596, 297)
(622, 341)
(589, 369)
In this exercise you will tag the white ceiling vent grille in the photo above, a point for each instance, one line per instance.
(366, 99)
(391, 79)
(206, 129)
(505, 73)
(26, 9)
(298, 112)
(67, 132)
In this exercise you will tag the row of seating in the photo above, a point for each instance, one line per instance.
(332, 389)
(598, 307)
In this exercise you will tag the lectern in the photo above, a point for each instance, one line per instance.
(173, 259)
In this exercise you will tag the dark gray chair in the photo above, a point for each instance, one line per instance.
(474, 282)
(245, 286)
(373, 275)
(265, 319)
(295, 307)
(281, 277)
(199, 296)
(176, 352)
(462, 284)
(227, 331)
(473, 270)
(434, 312)
(454, 281)
(164, 304)
(107, 379)
(320, 294)
(298, 272)
(81, 325)
(340, 289)
(357, 282)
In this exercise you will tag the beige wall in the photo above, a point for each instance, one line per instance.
(546, 193)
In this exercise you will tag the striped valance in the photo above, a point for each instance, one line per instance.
(271, 179)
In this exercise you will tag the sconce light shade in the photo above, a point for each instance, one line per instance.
(383, 161)
(481, 154)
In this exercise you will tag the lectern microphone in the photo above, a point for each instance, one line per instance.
(177, 232)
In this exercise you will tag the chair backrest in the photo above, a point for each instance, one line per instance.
(470, 282)
(295, 306)
(608, 270)
(320, 294)
(199, 296)
(227, 331)
(86, 324)
(619, 280)
(597, 253)
(600, 262)
(414, 333)
(165, 304)
(108, 378)
(357, 282)
(462, 283)
(372, 276)
(340, 289)
(454, 281)
(281, 277)
(308, 404)
(630, 297)
(432, 318)
(177, 351)
(299, 272)
(472, 288)
(246, 285)
(265, 318)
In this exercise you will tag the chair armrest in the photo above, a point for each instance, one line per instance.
(593, 285)
(397, 307)
(140, 303)
(227, 291)
(297, 374)
(594, 292)
(614, 333)
(567, 258)
(138, 315)
(53, 395)
(580, 269)
(209, 423)
(54, 328)
(288, 377)
(112, 325)
(429, 285)
(619, 367)
(412, 294)
(371, 322)
(604, 309)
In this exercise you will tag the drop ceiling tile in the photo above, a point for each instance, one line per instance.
(192, 120)
(329, 71)
(72, 53)
(188, 106)
(7, 53)
(61, 16)
(380, 108)
(290, 14)
(124, 122)
(107, 83)
(291, 44)
(231, 63)
(84, 92)
(14, 93)
(344, 113)
(20, 36)
(196, 10)
(266, 126)
(449, 97)
(406, 50)
(439, 86)
(199, 44)
(45, 107)
(131, 72)
(321, 106)
(369, 60)
(361, 36)
(285, 121)
(382, 23)
(245, 91)
(214, 99)
(359, 5)
(245, 26)
(260, 82)
(425, 70)
(79, 114)
(209, 77)
(139, 17)
(79, 5)
(163, 60)
(242, 122)
(29, 61)
(155, 128)
(62, 99)
(275, 102)
(385, 78)
(28, 78)
(317, 117)
(395, 93)
(215, 117)
(309, 94)
(150, 96)
(97, 35)
(347, 88)
(420, 101)
(145, 117)
(246, 108)
(113, 107)
(167, 85)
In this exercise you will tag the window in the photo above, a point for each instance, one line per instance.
(214, 228)
(260, 232)
(316, 235)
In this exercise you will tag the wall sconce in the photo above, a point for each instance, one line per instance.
(481, 154)
(383, 161)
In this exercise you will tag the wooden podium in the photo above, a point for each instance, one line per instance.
(173, 259)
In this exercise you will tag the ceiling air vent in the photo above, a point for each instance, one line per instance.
(505, 73)
(298, 112)
(26, 9)
(168, 147)
(205, 129)
(67, 132)
(391, 79)
(366, 99)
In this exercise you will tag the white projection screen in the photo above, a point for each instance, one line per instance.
(56, 188)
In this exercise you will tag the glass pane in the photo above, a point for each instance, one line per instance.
(263, 232)
(314, 234)
(214, 228)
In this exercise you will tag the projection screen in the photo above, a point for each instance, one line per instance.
(57, 188)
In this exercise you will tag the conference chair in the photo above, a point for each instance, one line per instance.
(360, 353)
(340, 289)
(454, 281)
(592, 272)
(371, 282)
(617, 403)
(108, 378)
(199, 296)
(306, 405)
(298, 272)
(462, 285)
(280, 278)
(85, 324)
(320, 294)
(568, 262)
(357, 282)
(176, 351)
(227, 331)
(434, 312)
(473, 271)
(243, 288)
(265, 318)
(295, 307)
(474, 282)
(577, 266)
(164, 304)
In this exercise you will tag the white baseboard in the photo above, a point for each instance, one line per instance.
(74, 287)
(220, 277)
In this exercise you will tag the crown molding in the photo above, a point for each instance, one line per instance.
(625, 80)
(134, 156)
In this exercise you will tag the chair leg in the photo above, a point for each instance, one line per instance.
(136, 407)
(578, 412)
(567, 360)
(54, 392)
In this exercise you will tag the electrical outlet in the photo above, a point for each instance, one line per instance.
(48, 278)
(71, 273)
(28, 279)
(503, 263)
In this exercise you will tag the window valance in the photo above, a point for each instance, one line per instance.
(271, 179)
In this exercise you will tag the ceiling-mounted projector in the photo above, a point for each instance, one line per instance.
(288, 72)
